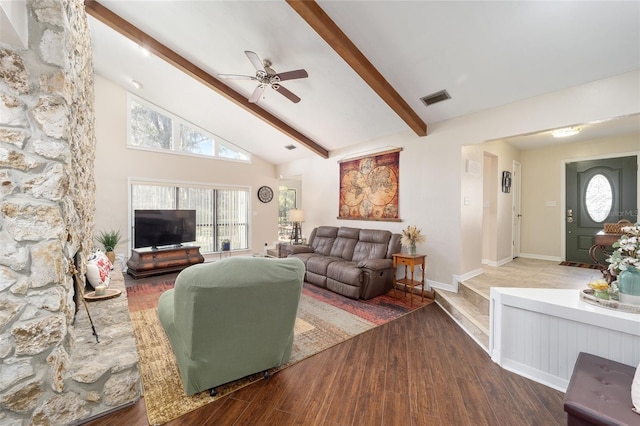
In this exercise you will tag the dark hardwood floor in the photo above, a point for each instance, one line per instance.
(421, 369)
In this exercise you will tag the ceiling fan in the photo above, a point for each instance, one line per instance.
(266, 76)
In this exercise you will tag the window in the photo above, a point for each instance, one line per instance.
(151, 127)
(598, 198)
(195, 142)
(286, 202)
(221, 213)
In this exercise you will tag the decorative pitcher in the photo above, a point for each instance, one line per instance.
(629, 286)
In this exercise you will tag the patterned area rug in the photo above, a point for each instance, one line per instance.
(582, 265)
(324, 320)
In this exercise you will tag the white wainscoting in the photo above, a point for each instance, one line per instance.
(538, 333)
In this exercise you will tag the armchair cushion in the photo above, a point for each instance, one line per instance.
(231, 318)
(373, 244)
(376, 264)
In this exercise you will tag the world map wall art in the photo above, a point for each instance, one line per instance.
(369, 187)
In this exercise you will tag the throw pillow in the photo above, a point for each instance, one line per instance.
(635, 391)
(98, 269)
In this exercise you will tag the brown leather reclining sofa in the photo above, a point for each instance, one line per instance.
(354, 262)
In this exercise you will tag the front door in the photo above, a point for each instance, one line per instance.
(598, 192)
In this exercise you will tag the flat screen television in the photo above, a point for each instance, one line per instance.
(156, 228)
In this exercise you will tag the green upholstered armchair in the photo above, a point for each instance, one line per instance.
(231, 318)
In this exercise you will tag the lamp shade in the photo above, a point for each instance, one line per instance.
(296, 215)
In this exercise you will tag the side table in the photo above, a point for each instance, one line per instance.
(410, 261)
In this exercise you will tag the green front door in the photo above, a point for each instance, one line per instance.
(598, 192)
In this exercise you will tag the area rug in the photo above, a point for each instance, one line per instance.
(581, 265)
(324, 320)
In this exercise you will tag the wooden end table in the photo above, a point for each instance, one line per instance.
(410, 261)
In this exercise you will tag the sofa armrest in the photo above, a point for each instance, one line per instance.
(298, 248)
(376, 264)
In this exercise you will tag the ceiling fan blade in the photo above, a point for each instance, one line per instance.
(257, 93)
(237, 76)
(255, 60)
(286, 93)
(291, 75)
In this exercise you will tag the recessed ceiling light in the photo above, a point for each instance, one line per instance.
(290, 147)
(137, 84)
(567, 131)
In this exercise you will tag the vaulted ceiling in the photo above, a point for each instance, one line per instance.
(369, 62)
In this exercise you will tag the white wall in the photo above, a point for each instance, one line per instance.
(115, 164)
(496, 230)
(431, 194)
(489, 207)
(542, 180)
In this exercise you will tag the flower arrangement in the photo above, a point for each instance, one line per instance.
(600, 288)
(411, 236)
(627, 250)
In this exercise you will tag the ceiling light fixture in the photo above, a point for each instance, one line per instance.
(567, 131)
(137, 84)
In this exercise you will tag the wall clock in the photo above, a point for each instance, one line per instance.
(265, 194)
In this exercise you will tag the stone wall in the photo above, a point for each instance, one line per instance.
(47, 188)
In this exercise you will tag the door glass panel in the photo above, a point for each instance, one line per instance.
(598, 198)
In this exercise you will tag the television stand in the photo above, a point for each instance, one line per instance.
(145, 262)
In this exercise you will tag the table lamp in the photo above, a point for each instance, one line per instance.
(296, 217)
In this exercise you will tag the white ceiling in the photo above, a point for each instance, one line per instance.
(484, 53)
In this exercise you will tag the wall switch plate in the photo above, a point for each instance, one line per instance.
(550, 204)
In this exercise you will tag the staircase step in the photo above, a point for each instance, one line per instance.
(471, 314)
(475, 297)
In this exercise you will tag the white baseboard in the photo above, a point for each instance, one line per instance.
(443, 286)
(540, 257)
(497, 263)
(468, 275)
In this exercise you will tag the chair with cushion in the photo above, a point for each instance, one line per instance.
(231, 318)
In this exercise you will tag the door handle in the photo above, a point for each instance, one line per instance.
(569, 215)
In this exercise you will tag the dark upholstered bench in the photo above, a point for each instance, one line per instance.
(599, 393)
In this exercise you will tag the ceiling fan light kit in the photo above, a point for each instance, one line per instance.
(268, 77)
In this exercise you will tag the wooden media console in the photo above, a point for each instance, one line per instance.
(148, 261)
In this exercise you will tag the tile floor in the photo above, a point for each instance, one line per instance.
(534, 273)
(470, 306)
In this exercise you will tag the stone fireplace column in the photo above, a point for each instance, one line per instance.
(47, 148)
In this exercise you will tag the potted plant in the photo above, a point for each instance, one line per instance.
(226, 245)
(109, 240)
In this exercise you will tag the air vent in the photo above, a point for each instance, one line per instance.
(290, 147)
(434, 98)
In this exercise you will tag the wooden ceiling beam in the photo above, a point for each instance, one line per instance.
(313, 14)
(133, 33)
